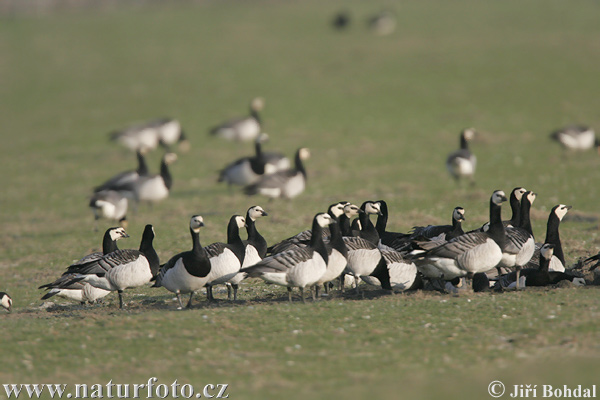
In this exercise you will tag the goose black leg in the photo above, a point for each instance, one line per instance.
(289, 294)
(518, 271)
(316, 292)
(179, 300)
(228, 291)
(120, 298)
(302, 294)
(235, 287)
(189, 303)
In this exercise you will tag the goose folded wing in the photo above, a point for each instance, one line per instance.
(357, 243)
(282, 262)
(215, 249)
(459, 245)
(107, 262)
(516, 238)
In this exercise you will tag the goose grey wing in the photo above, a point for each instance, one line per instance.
(281, 262)
(357, 243)
(459, 245)
(516, 238)
(215, 249)
(107, 262)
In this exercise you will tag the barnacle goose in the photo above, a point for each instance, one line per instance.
(248, 170)
(242, 129)
(390, 239)
(367, 230)
(350, 212)
(462, 163)
(186, 272)
(120, 269)
(341, 20)
(124, 179)
(83, 291)
(6, 301)
(109, 204)
(287, 183)
(300, 267)
(448, 231)
(383, 23)
(576, 137)
(557, 262)
(520, 243)
(226, 259)
(337, 252)
(148, 135)
(401, 273)
(256, 248)
(467, 254)
(153, 188)
(540, 276)
(363, 257)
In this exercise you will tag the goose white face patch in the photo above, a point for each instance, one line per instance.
(304, 153)
(519, 193)
(196, 222)
(118, 233)
(372, 208)
(498, 197)
(324, 220)
(459, 214)
(561, 211)
(241, 221)
(531, 197)
(547, 251)
(338, 209)
(256, 212)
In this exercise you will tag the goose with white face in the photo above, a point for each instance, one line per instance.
(5, 301)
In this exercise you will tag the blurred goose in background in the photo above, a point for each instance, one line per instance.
(576, 137)
(124, 179)
(109, 204)
(186, 272)
(147, 136)
(6, 301)
(242, 129)
(153, 188)
(83, 291)
(256, 249)
(383, 23)
(226, 259)
(300, 267)
(248, 170)
(287, 183)
(461, 163)
(120, 269)
(341, 20)
(557, 261)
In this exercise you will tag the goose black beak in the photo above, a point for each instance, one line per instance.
(568, 207)
(264, 214)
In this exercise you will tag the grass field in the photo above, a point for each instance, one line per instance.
(380, 114)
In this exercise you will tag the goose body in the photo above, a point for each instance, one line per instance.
(121, 269)
(557, 261)
(337, 252)
(154, 188)
(83, 291)
(401, 273)
(383, 23)
(462, 163)
(123, 180)
(576, 137)
(470, 253)
(6, 301)
(449, 231)
(186, 272)
(299, 267)
(363, 257)
(148, 135)
(242, 129)
(287, 183)
(109, 204)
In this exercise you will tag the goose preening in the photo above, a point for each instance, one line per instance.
(300, 267)
(520, 242)
(540, 276)
(461, 163)
(6, 301)
(109, 204)
(154, 188)
(123, 180)
(242, 129)
(226, 259)
(186, 272)
(449, 232)
(382, 23)
(148, 135)
(248, 170)
(288, 183)
(256, 249)
(120, 269)
(576, 137)
(467, 254)
(83, 291)
(557, 262)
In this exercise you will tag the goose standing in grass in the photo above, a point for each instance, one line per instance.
(576, 137)
(186, 272)
(256, 249)
(120, 269)
(6, 301)
(154, 188)
(109, 204)
(226, 259)
(367, 230)
(287, 184)
(242, 129)
(402, 274)
(123, 180)
(248, 170)
(386, 238)
(461, 163)
(299, 267)
(520, 243)
(467, 254)
(83, 291)
(363, 258)
(557, 261)
(148, 135)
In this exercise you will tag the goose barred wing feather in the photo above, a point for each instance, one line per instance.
(357, 243)
(215, 249)
(281, 262)
(517, 237)
(459, 245)
(107, 262)
(430, 231)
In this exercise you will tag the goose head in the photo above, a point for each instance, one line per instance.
(324, 219)
(256, 212)
(352, 210)
(257, 104)
(518, 192)
(498, 197)
(373, 208)
(469, 134)
(561, 210)
(458, 214)
(117, 233)
(240, 221)
(169, 158)
(547, 251)
(337, 209)
(531, 197)
(304, 153)
(196, 222)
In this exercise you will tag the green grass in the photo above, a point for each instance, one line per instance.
(380, 114)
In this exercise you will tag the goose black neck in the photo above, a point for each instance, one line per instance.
(525, 217)
(337, 241)
(166, 174)
(316, 240)
(299, 164)
(515, 206)
(148, 250)
(496, 230)
(258, 148)
(457, 227)
(544, 263)
(255, 238)
(142, 166)
(254, 114)
(382, 219)
(234, 240)
(345, 227)
(368, 231)
(108, 244)
(464, 144)
(553, 237)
